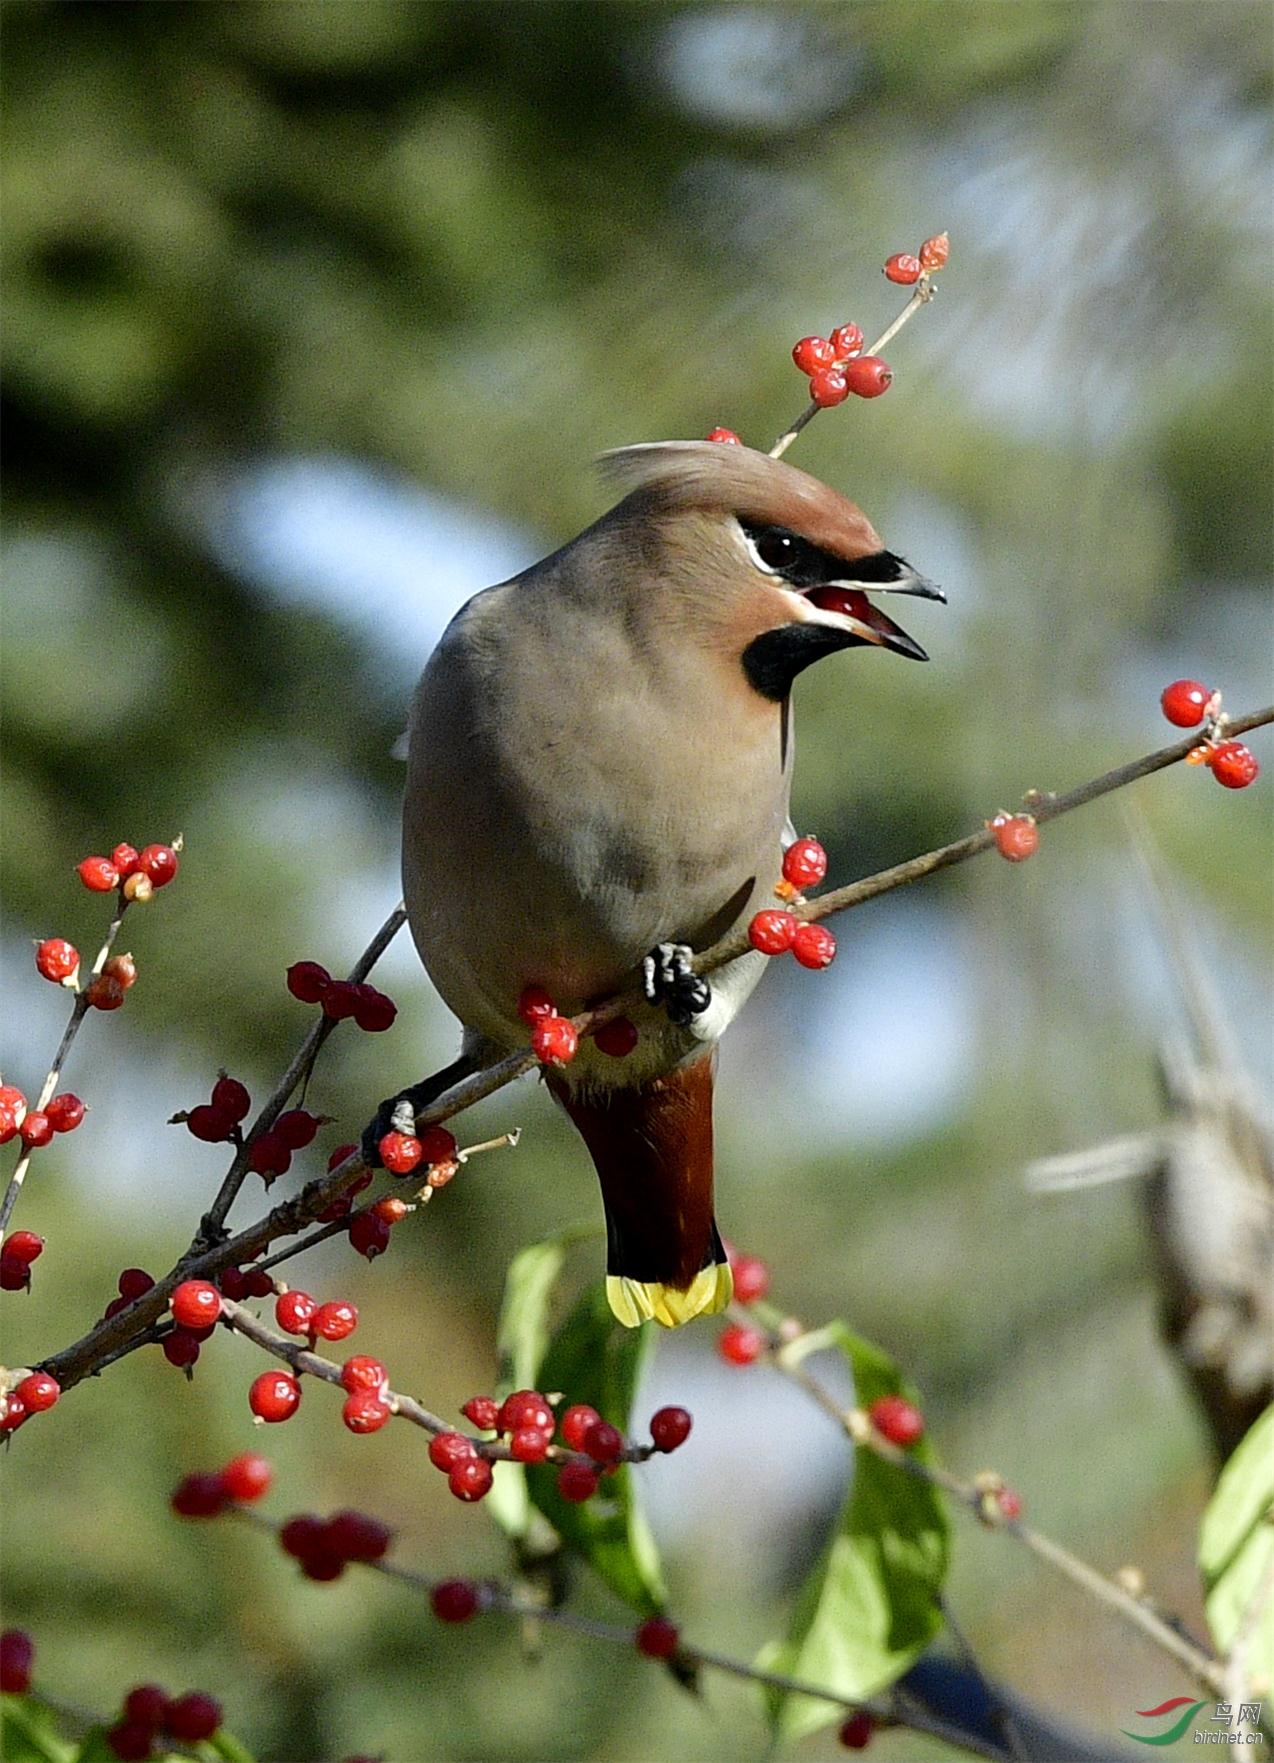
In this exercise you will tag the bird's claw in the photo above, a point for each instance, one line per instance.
(669, 980)
(395, 1114)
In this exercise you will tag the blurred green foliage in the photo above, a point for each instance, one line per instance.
(476, 244)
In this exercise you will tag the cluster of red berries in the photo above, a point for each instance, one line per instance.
(325, 1546)
(341, 998)
(775, 931)
(276, 1394)
(1186, 703)
(207, 1493)
(905, 269)
(554, 1038)
(217, 1120)
(33, 1394)
(19, 1251)
(17, 1661)
(836, 366)
(150, 1715)
(1017, 836)
(36, 1126)
(135, 873)
(182, 1342)
(105, 991)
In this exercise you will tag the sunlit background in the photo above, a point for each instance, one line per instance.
(317, 315)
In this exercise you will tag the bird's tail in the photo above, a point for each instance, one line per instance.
(652, 1147)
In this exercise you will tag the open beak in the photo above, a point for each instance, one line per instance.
(910, 581)
(851, 609)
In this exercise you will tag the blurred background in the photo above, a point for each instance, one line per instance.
(317, 315)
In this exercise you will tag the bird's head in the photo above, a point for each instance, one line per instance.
(762, 559)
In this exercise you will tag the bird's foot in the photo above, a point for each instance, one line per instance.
(398, 1113)
(669, 980)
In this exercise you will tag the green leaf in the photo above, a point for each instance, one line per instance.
(225, 1744)
(592, 1359)
(95, 1749)
(28, 1733)
(521, 1341)
(870, 1606)
(1236, 1543)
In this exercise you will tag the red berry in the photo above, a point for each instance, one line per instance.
(269, 1155)
(374, 1012)
(230, 1097)
(17, 1657)
(829, 388)
(1016, 836)
(362, 1372)
(772, 931)
(15, 1275)
(125, 858)
(38, 1391)
(847, 340)
(576, 1482)
(130, 1740)
(259, 1281)
(740, 1345)
(364, 1411)
(133, 1282)
(617, 1037)
(855, 1733)
(437, 1145)
(554, 1040)
(525, 1408)
(14, 1412)
(295, 1312)
(296, 1127)
(356, 1536)
(1010, 1503)
(158, 863)
(804, 863)
(58, 960)
(25, 1246)
(203, 1495)
(534, 1004)
(195, 1303)
(529, 1445)
(65, 1112)
(36, 1129)
(209, 1124)
(448, 1450)
(1184, 702)
(180, 1347)
(454, 1600)
(751, 1278)
(934, 252)
(98, 874)
(576, 1423)
(11, 1097)
(148, 1704)
(123, 968)
(274, 1396)
(669, 1428)
(193, 1716)
(482, 1412)
(604, 1443)
(232, 1284)
(322, 1566)
(340, 1000)
(391, 1210)
(868, 376)
(727, 436)
(335, 1320)
(8, 1123)
(471, 1480)
(897, 1419)
(302, 1535)
(813, 354)
(904, 268)
(656, 1637)
(308, 981)
(1232, 765)
(105, 992)
(400, 1152)
(338, 1156)
(247, 1476)
(814, 945)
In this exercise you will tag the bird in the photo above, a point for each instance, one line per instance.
(599, 761)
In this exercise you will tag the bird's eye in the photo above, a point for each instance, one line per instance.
(776, 550)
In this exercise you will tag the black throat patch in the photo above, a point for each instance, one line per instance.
(773, 660)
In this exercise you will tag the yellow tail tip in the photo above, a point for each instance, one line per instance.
(633, 1301)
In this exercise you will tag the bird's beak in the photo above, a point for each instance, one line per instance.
(911, 582)
(850, 610)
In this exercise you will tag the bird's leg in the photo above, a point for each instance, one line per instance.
(668, 979)
(398, 1113)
